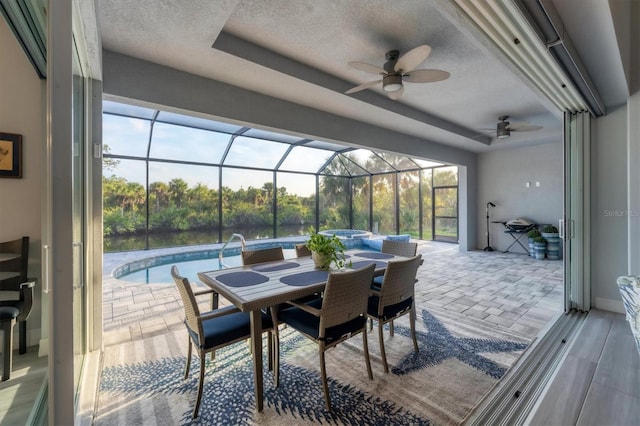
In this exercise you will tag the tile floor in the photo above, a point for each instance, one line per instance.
(508, 289)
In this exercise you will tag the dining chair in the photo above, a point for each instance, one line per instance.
(302, 250)
(334, 318)
(216, 329)
(397, 248)
(250, 257)
(395, 298)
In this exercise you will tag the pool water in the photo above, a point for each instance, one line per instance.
(161, 274)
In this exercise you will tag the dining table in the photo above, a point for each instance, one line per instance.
(253, 288)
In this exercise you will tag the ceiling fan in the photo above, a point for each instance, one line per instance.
(398, 69)
(504, 128)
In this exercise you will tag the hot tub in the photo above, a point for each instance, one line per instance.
(346, 233)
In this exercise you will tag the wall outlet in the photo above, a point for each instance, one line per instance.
(527, 184)
(537, 184)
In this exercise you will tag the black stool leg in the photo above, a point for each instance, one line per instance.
(22, 337)
(7, 353)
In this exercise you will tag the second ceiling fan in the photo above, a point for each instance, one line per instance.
(504, 128)
(399, 69)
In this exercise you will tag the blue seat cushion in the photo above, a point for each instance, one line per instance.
(309, 324)
(228, 328)
(401, 237)
(373, 244)
(376, 284)
(8, 313)
(390, 311)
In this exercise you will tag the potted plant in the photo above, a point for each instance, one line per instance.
(540, 245)
(532, 235)
(550, 233)
(326, 250)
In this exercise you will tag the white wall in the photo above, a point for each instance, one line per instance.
(21, 112)
(502, 178)
(609, 214)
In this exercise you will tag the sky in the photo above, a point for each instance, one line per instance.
(129, 136)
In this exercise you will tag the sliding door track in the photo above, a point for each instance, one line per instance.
(516, 395)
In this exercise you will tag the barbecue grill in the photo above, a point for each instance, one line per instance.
(519, 225)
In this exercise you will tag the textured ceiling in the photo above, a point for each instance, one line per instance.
(299, 50)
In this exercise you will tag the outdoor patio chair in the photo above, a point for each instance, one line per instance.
(395, 298)
(334, 318)
(397, 248)
(302, 250)
(250, 257)
(216, 329)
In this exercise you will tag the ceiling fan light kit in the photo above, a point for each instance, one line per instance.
(392, 82)
(397, 69)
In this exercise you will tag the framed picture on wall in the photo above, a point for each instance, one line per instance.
(10, 155)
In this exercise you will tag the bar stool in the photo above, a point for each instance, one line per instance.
(8, 315)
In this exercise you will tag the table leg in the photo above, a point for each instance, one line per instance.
(256, 349)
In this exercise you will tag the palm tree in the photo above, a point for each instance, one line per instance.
(178, 191)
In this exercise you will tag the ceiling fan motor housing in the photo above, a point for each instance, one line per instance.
(502, 130)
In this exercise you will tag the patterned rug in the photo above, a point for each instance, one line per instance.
(459, 361)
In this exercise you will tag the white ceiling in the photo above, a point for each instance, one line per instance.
(299, 50)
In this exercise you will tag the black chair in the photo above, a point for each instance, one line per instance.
(395, 298)
(337, 316)
(14, 259)
(216, 329)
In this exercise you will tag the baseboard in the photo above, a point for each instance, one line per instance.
(43, 347)
(610, 305)
(33, 337)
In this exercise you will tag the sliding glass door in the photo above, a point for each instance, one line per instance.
(574, 228)
(78, 202)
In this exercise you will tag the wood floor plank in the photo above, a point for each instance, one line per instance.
(18, 394)
(619, 365)
(593, 336)
(606, 406)
(563, 401)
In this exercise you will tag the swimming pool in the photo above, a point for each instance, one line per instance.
(158, 269)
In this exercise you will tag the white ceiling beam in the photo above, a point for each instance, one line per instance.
(251, 52)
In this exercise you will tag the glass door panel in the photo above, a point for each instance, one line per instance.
(445, 214)
(79, 332)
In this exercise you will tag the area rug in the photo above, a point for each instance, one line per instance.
(459, 362)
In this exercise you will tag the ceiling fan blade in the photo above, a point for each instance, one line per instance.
(410, 60)
(525, 128)
(425, 76)
(397, 94)
(363, 87)
(373, 69)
